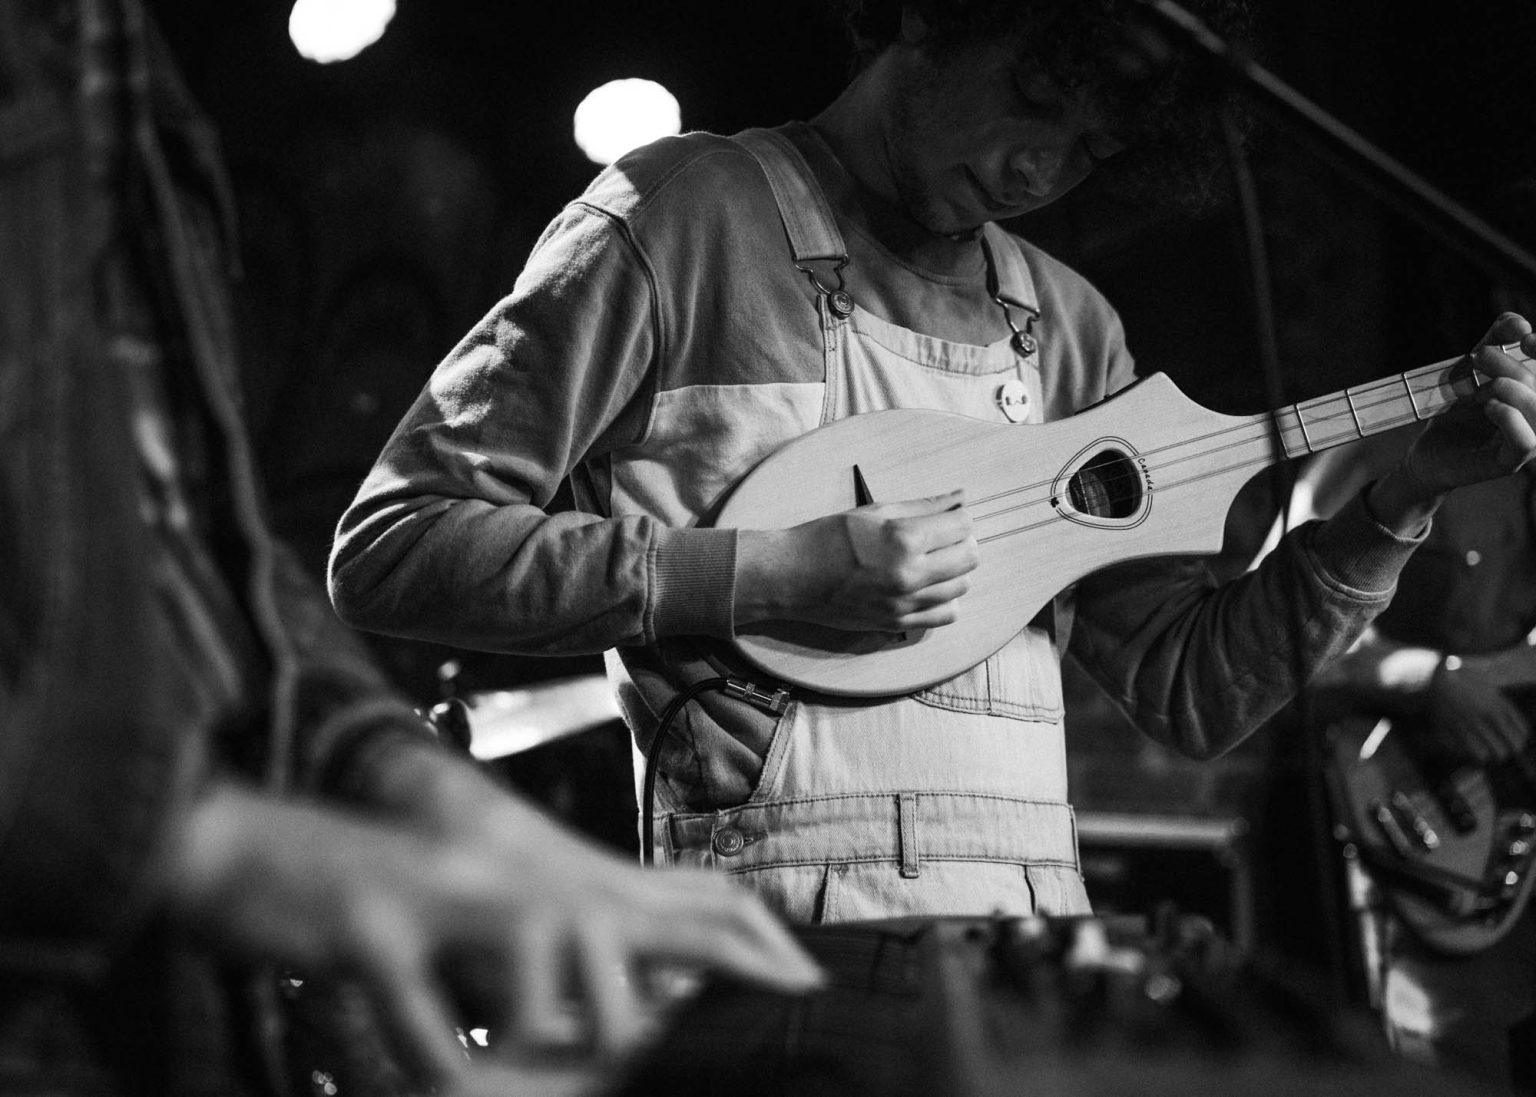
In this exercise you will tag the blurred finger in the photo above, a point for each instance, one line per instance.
(540, 1018)
(421, 1022)
(736, 935)
(508, 1077)
(1512, 733)
(1482, 744)
(612, 1004)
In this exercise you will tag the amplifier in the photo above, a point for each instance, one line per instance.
(1136, 862)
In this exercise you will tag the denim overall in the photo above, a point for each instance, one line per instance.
(948, 801)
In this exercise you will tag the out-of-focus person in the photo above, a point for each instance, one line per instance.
(208, 793)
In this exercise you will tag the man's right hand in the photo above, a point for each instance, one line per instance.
(886, 567)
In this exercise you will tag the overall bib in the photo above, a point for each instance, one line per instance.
(948, 801)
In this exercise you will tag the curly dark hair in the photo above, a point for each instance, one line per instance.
(1165, 109)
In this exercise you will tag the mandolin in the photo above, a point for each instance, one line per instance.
(1147, 472)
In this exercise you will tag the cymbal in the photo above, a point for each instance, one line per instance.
(509, 721)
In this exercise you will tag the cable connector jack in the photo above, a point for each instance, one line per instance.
(775, 702)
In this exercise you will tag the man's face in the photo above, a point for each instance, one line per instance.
(975, 135)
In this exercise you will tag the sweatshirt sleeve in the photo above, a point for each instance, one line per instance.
(1200, 666)
(450, 538)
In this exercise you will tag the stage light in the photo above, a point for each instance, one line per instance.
(334, 30)
(622, 115)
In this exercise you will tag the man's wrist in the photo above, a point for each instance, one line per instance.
(752, 594)
(1399, 502)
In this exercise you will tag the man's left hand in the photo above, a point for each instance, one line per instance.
(1493, 431)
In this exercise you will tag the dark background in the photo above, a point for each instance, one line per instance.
(388, 201)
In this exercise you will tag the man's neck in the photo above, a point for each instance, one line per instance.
(851, 128)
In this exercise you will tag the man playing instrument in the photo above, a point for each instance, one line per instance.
(709, 299)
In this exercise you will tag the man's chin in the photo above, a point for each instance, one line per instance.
(940, 217)
(951, 223)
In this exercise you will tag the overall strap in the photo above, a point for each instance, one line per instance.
(1014, 279)
(808, 221)
(814, 240)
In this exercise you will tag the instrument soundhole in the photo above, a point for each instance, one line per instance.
(1107, 486)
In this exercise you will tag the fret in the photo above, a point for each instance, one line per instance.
(1354, 412)
(1301, 421)
(1411, 401)
(1327, 421)
(1287, 431)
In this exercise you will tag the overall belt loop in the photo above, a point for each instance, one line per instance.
(906, 811)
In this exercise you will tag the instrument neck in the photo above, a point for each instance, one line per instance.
(1354, 413)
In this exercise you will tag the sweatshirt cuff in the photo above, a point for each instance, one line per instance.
(1360, 553)
(693, 587)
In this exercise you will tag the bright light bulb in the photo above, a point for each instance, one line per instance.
(334, 30)
(622, 115)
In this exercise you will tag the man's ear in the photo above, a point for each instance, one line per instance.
(914, 28)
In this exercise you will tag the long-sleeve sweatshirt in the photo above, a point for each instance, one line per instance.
(658, 344)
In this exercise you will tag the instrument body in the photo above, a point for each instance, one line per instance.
(1146, 473)
(1018, 488)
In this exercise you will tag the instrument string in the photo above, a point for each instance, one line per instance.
(1352, 405)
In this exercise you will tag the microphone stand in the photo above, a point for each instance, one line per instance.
(1394, 185)
(1376, 172)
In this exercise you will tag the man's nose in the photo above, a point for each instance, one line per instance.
(1046, 170)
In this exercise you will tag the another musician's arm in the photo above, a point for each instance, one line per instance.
(550, 920)
(1460, 698)
(1380, 672)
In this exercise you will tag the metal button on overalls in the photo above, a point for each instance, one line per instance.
(728, 841)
